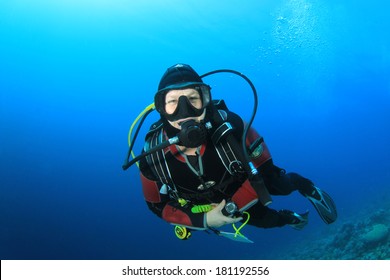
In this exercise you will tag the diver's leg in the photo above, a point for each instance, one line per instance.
(264, 217)
(280, 183)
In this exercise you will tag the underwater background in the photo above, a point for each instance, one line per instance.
(75, 74)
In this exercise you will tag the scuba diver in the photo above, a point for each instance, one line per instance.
(202, 167)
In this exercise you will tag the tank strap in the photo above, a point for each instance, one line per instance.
(157, 161)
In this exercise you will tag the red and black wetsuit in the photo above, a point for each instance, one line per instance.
(191, 173)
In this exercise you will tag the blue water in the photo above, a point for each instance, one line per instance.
(75, 74)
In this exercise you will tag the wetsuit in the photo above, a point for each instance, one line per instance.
(204, 179)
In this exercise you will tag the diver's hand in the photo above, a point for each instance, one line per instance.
(215, 218)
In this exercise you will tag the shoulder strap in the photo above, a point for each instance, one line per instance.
(223, 147)
(155, 127)
(157, 161)
(220, 104)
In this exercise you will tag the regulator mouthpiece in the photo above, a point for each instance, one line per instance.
(192, 134)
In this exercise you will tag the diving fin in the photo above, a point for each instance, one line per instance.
(302, 218)
(324, 205)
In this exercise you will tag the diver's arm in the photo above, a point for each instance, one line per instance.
(246, 196)
(168, 209)
(259, 152)
(172, 212)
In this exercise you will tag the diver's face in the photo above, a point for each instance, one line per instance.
(172, 103)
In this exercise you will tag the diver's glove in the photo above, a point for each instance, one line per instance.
(295, 220)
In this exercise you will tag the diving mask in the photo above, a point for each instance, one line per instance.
(183, 107)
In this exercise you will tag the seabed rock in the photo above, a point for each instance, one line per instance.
(377, 234)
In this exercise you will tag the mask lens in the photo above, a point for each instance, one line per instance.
(168, 107)
(191, 102)
(204, 92)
